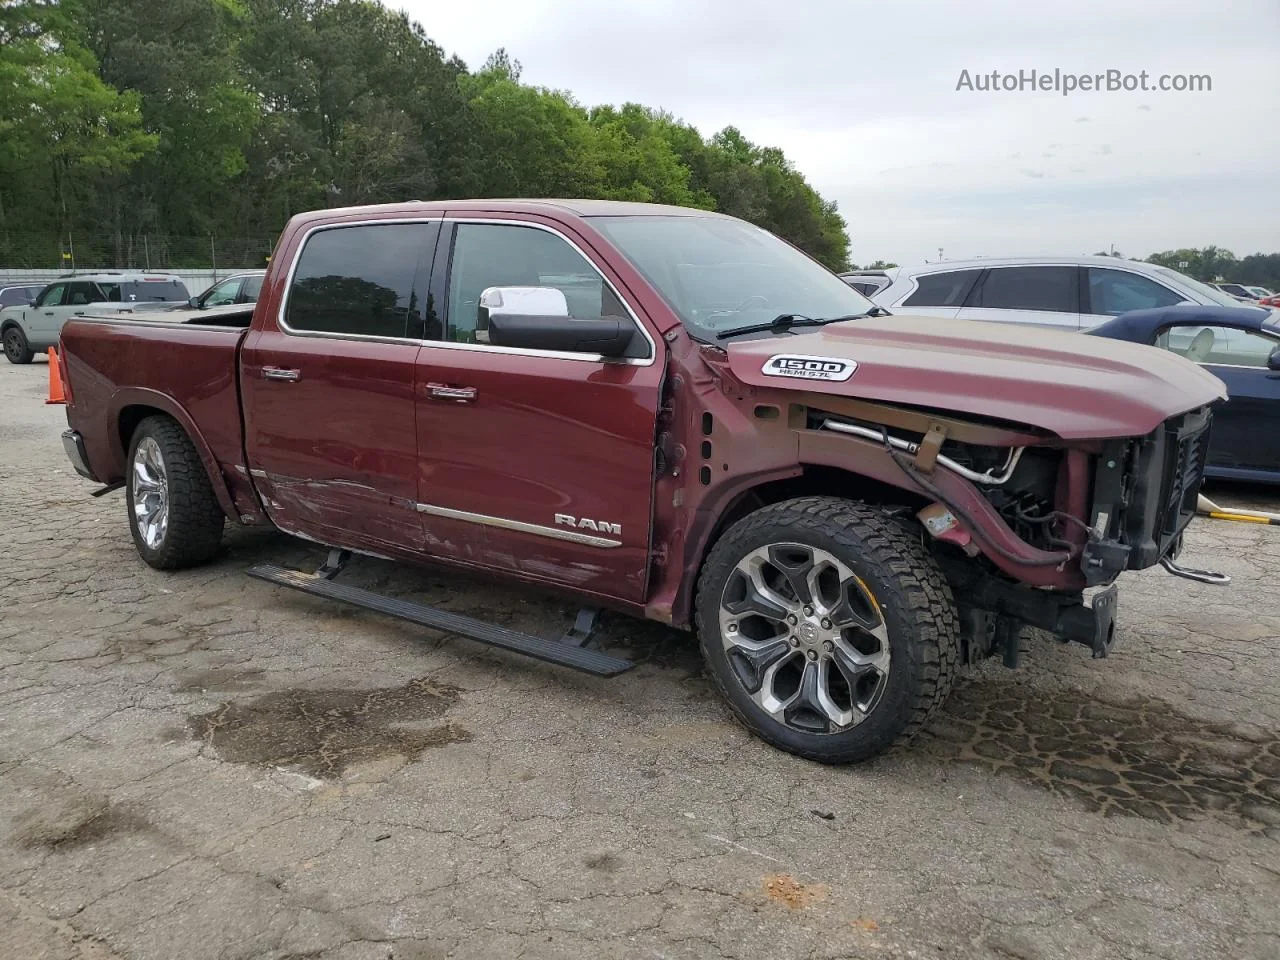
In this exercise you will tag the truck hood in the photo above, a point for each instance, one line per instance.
(1075, 386)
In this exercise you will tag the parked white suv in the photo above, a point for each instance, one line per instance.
(29, 328)
(1073, 293)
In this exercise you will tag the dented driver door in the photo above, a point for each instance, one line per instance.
(534, 462)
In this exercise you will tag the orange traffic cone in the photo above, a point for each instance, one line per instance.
(55, 379)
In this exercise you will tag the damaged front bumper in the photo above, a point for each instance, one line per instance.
(993, 615)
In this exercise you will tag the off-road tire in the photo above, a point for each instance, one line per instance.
(16, 347)
(915, 602)
(195, 520)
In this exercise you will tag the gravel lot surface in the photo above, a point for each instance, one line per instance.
(202, 765)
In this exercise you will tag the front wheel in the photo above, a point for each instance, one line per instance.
(173, 513)
(829, 629)
(16, 348)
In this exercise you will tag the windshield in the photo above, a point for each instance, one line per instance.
(722, 275)
(1210, 294)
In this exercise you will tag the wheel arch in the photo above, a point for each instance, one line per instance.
(134, 406)
(13, 323)
(807, 479)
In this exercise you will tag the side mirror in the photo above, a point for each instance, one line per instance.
(607, 336)
(1273, 361)
(518, 301)
(193, 302)
(537, 318)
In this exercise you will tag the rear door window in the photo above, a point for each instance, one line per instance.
(1048, 289)
(81, 293)
(1114, 292)
(946, 289)
(364, 280)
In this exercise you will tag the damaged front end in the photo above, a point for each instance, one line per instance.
(1023, 528)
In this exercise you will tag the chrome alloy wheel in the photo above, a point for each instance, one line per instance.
(149, 485)
(805, 637)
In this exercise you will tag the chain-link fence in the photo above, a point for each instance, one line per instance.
(44, 251)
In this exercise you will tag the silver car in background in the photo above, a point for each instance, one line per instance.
(1070, 293)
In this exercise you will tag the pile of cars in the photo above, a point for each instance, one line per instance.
(33, 313)
(1236, 339)
(1244, 293)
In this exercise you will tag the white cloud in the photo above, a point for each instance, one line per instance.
(863, 98)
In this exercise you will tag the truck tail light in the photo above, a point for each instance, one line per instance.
(61, 355)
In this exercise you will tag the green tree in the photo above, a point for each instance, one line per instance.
(66, 137)
(125, 118)
(535, 142)
(1204, 264)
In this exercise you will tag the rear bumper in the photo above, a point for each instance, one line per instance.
(73, 445)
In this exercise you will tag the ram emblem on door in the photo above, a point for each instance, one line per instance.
(597, 526)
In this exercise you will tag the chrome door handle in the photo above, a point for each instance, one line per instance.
(442, 391)
(279, 373)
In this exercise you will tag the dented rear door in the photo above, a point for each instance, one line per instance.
(327, 384)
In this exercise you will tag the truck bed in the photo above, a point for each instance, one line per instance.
(121, 368)
(236, 315)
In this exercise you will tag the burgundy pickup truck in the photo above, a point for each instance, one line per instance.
(665, 412)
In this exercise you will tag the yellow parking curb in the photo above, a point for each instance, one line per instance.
(1206, 507)
(1243, 518)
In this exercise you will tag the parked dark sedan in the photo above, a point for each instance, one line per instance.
(1241, 347)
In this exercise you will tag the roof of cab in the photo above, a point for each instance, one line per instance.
(578, 208)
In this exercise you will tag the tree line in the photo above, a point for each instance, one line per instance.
(1218, 265)
(128, 119)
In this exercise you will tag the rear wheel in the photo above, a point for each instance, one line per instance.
(173, 513)
(16, 348)
(828, 627)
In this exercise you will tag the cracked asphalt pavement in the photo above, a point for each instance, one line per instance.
(202, 765)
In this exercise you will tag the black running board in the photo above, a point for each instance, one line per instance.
(552, 651)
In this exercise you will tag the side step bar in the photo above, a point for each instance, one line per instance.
(552, 651)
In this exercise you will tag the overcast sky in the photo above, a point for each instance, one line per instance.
(862, 97)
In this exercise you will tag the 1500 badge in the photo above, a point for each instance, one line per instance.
(809, 368)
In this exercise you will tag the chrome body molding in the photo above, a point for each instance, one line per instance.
(554, 533)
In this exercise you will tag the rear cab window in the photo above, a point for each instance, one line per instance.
(366, 280)
(152, 291)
